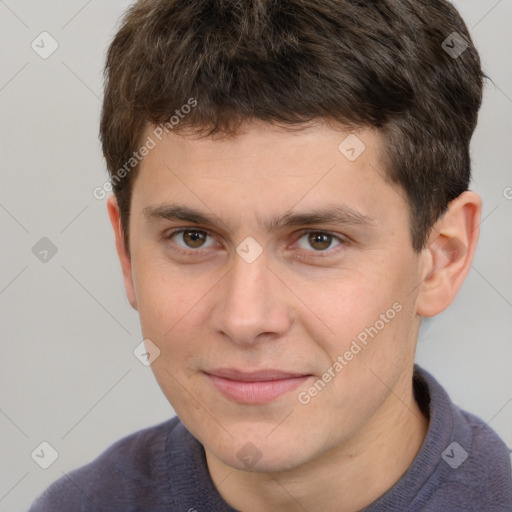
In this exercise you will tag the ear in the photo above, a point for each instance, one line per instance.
(449, 254)
(124, 258)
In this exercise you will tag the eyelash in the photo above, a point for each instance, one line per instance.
(343, 241)
(191, 252)
(311, 253)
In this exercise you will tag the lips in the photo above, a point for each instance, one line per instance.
(256, 387)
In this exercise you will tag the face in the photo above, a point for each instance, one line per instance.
(278, 280)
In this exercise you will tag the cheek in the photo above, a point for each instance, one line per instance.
(164, 294)
(369, 318)
(349, 302)
(170, 312)
(366, 358)
(173, 310)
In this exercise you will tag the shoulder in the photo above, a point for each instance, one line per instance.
(131, 471)
(485, 474)
(464, 464)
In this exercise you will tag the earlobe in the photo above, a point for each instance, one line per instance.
(122, 252)
(449, 254)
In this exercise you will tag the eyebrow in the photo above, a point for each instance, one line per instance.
(339, 215)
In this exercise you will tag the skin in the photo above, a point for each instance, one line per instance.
(296, 308)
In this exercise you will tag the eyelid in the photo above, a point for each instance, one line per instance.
(342, 239)
(175, 231)
(170, 234)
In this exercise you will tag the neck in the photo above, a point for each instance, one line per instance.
(347, 478)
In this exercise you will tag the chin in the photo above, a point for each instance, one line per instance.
(261, 452)
(270, 462)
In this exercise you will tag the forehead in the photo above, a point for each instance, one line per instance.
(265, 170)
(303, 145)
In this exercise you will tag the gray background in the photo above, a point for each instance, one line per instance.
(67, 372)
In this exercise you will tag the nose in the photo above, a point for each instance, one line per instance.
(251, 305)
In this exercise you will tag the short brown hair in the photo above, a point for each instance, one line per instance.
(360, 63)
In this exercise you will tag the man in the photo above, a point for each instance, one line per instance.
(290, 199)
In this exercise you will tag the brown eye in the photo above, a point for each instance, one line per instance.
(194, 239)
(320, 241)
(193, 242)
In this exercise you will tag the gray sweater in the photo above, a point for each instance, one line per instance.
(462, 466)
